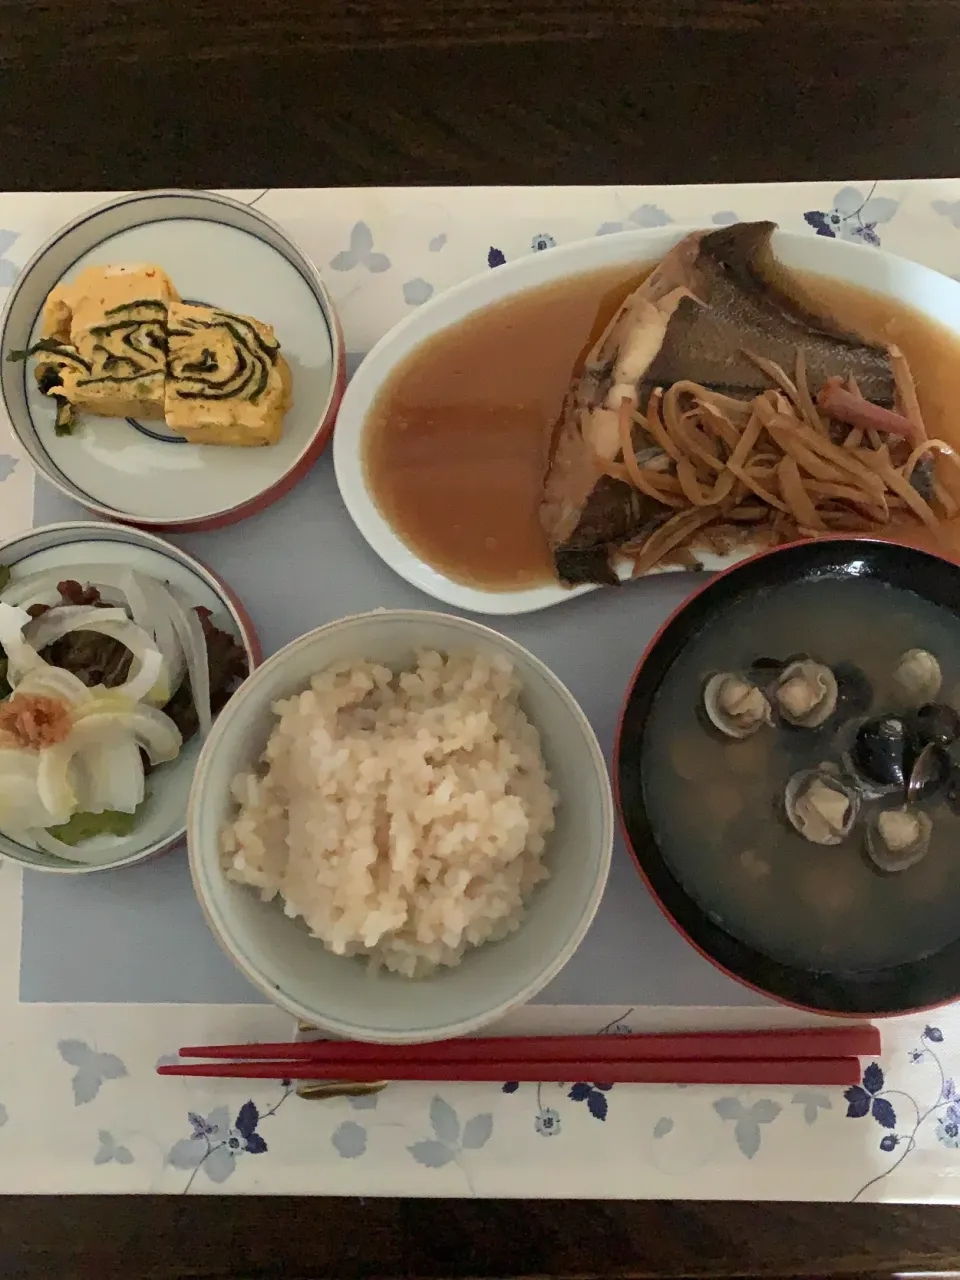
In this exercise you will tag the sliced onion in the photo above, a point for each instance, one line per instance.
(46, 681)
(20, 655)
(82, 853)
(102, 720)
(41, 587)
(56, 623)
(151, 605)
(111, 777)
(190, 632)
(20, 802)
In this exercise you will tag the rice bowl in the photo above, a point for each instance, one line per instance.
(530, 924)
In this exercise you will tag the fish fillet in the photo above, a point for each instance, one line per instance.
(712, 298)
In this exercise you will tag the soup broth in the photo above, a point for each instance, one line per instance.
(455, 447)
(716, 804)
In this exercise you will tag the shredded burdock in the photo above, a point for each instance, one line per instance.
(786, 465)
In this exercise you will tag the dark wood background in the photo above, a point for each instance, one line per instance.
(124, 93)
(116, 94)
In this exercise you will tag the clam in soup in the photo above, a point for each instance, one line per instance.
(801, 773)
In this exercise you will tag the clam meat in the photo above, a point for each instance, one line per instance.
(898, 838)
(806, 693)
(735, 705)
(821, 805)
(917, 676)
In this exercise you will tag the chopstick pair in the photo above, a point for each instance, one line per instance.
(802, 1056)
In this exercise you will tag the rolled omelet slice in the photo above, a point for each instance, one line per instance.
(227, 382)
(104, 343)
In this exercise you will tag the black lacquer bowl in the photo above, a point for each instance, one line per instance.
(920, 984)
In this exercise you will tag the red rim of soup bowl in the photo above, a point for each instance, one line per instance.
(711, 583)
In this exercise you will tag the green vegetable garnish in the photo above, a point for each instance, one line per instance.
(84, 826)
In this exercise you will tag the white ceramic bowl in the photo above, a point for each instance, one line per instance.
(927, 291)
(85, 542)
(293, 969)
(215, 250)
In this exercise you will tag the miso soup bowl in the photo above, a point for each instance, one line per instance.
(340, 994)
(922, 984)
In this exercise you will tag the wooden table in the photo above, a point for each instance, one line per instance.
(310, 92)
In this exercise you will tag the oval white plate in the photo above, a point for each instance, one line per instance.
(218, 251)
(927, 291)
(83, 542)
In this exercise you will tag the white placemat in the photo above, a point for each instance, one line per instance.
(81, 1109)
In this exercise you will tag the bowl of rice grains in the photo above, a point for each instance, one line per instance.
(401, 826)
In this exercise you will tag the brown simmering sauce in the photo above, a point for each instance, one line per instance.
(456, 443)
(455, 447)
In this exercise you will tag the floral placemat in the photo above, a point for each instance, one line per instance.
(81, 1109)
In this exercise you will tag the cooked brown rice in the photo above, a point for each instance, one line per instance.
(402, 816)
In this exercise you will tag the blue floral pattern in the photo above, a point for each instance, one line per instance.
(361, 252)
(215, 1144)
(872, 1098)
(853, 216)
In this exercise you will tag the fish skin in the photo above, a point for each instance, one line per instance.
(715, 294)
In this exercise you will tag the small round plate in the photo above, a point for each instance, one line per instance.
(215, 251)
(83, 542)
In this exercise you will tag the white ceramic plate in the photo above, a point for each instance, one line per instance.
(84, 542)
(337, 993)
(217, 251)
(927, 291)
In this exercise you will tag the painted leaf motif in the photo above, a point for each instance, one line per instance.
(247, 1118)
(187, 1153)
(858, 1102)
(8, 273)
(650, 215)
(511, 1086)
(747, 1134)
(350, 1140)
(663, 1126)
(477, 1131)
(879, 209)
(219, 1164)
(949, 209)
(580, 1091)
(377, 262)
(432, 1154)
(444, 1121)
(728, 1108)
(437, 243)
(883, 1113)
(889, 1142)
(818, 220)
(416, 292)
(765, 1111)
(873, 1078)
(255, 1145)
(93, 1069)
(496, 257)
(364, 1102)
(847, 201)
(933, 1034)
(609, 228)
(361, 239)
(7, 464)
(597, 1104)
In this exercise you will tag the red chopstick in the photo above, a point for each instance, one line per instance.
(803, 1071)
(690, 1046)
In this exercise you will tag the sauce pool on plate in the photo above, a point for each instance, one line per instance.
(456, 443)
